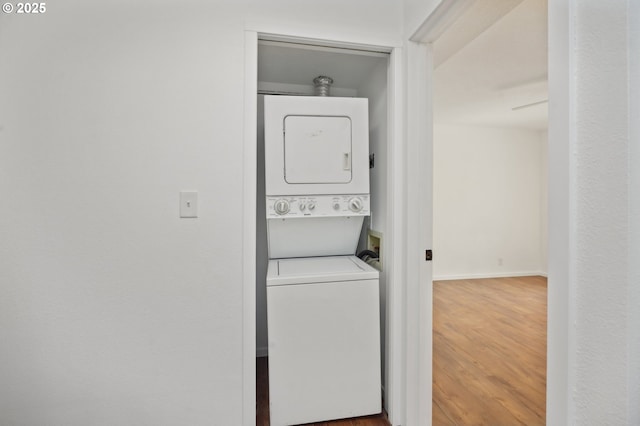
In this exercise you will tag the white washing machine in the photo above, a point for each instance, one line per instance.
(324, 339)
(322, 302)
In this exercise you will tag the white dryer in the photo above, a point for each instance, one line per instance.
(316, 174)
(316, 145)
(324, 339)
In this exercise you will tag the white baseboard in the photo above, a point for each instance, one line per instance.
(488, 275)
(262, 351)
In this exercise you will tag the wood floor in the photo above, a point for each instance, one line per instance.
(489, 351)
(489, 355)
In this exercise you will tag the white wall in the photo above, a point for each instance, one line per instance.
(602, 222)
(375, 89)
(112, 309)
(633, 321)
(415, 12)
(593, 325)
(487, 204)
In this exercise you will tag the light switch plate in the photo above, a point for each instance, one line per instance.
(188, 204)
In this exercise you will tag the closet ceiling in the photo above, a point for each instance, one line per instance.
(298, 64)
(490, 61)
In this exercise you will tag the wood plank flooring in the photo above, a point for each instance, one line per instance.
(489, 351)
(262, 403)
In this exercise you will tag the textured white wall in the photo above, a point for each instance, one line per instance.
(633, 329)
(112, 309)
(604, 327)
(487, 206)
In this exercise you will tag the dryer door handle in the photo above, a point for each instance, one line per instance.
(346, 161)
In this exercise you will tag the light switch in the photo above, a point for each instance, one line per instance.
(188, 204)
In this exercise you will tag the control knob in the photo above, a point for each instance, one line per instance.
(281, 206)
(355, 204)
(311, 205)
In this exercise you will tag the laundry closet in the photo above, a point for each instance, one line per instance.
(321, 200)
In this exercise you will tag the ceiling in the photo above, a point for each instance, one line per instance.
(299, 64)
(491, 60)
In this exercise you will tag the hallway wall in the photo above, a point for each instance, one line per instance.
(113, 311)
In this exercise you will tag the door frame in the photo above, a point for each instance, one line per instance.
(395, 235)
(418, 234)
(561, 140)
(249, 205)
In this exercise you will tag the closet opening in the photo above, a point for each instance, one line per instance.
(288, 67)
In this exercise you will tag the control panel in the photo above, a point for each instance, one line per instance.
(290, 206)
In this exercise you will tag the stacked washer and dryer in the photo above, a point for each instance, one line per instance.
(322, 301)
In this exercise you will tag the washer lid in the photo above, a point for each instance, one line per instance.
(318, 270)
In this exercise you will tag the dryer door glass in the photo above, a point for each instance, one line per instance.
(317, 149)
